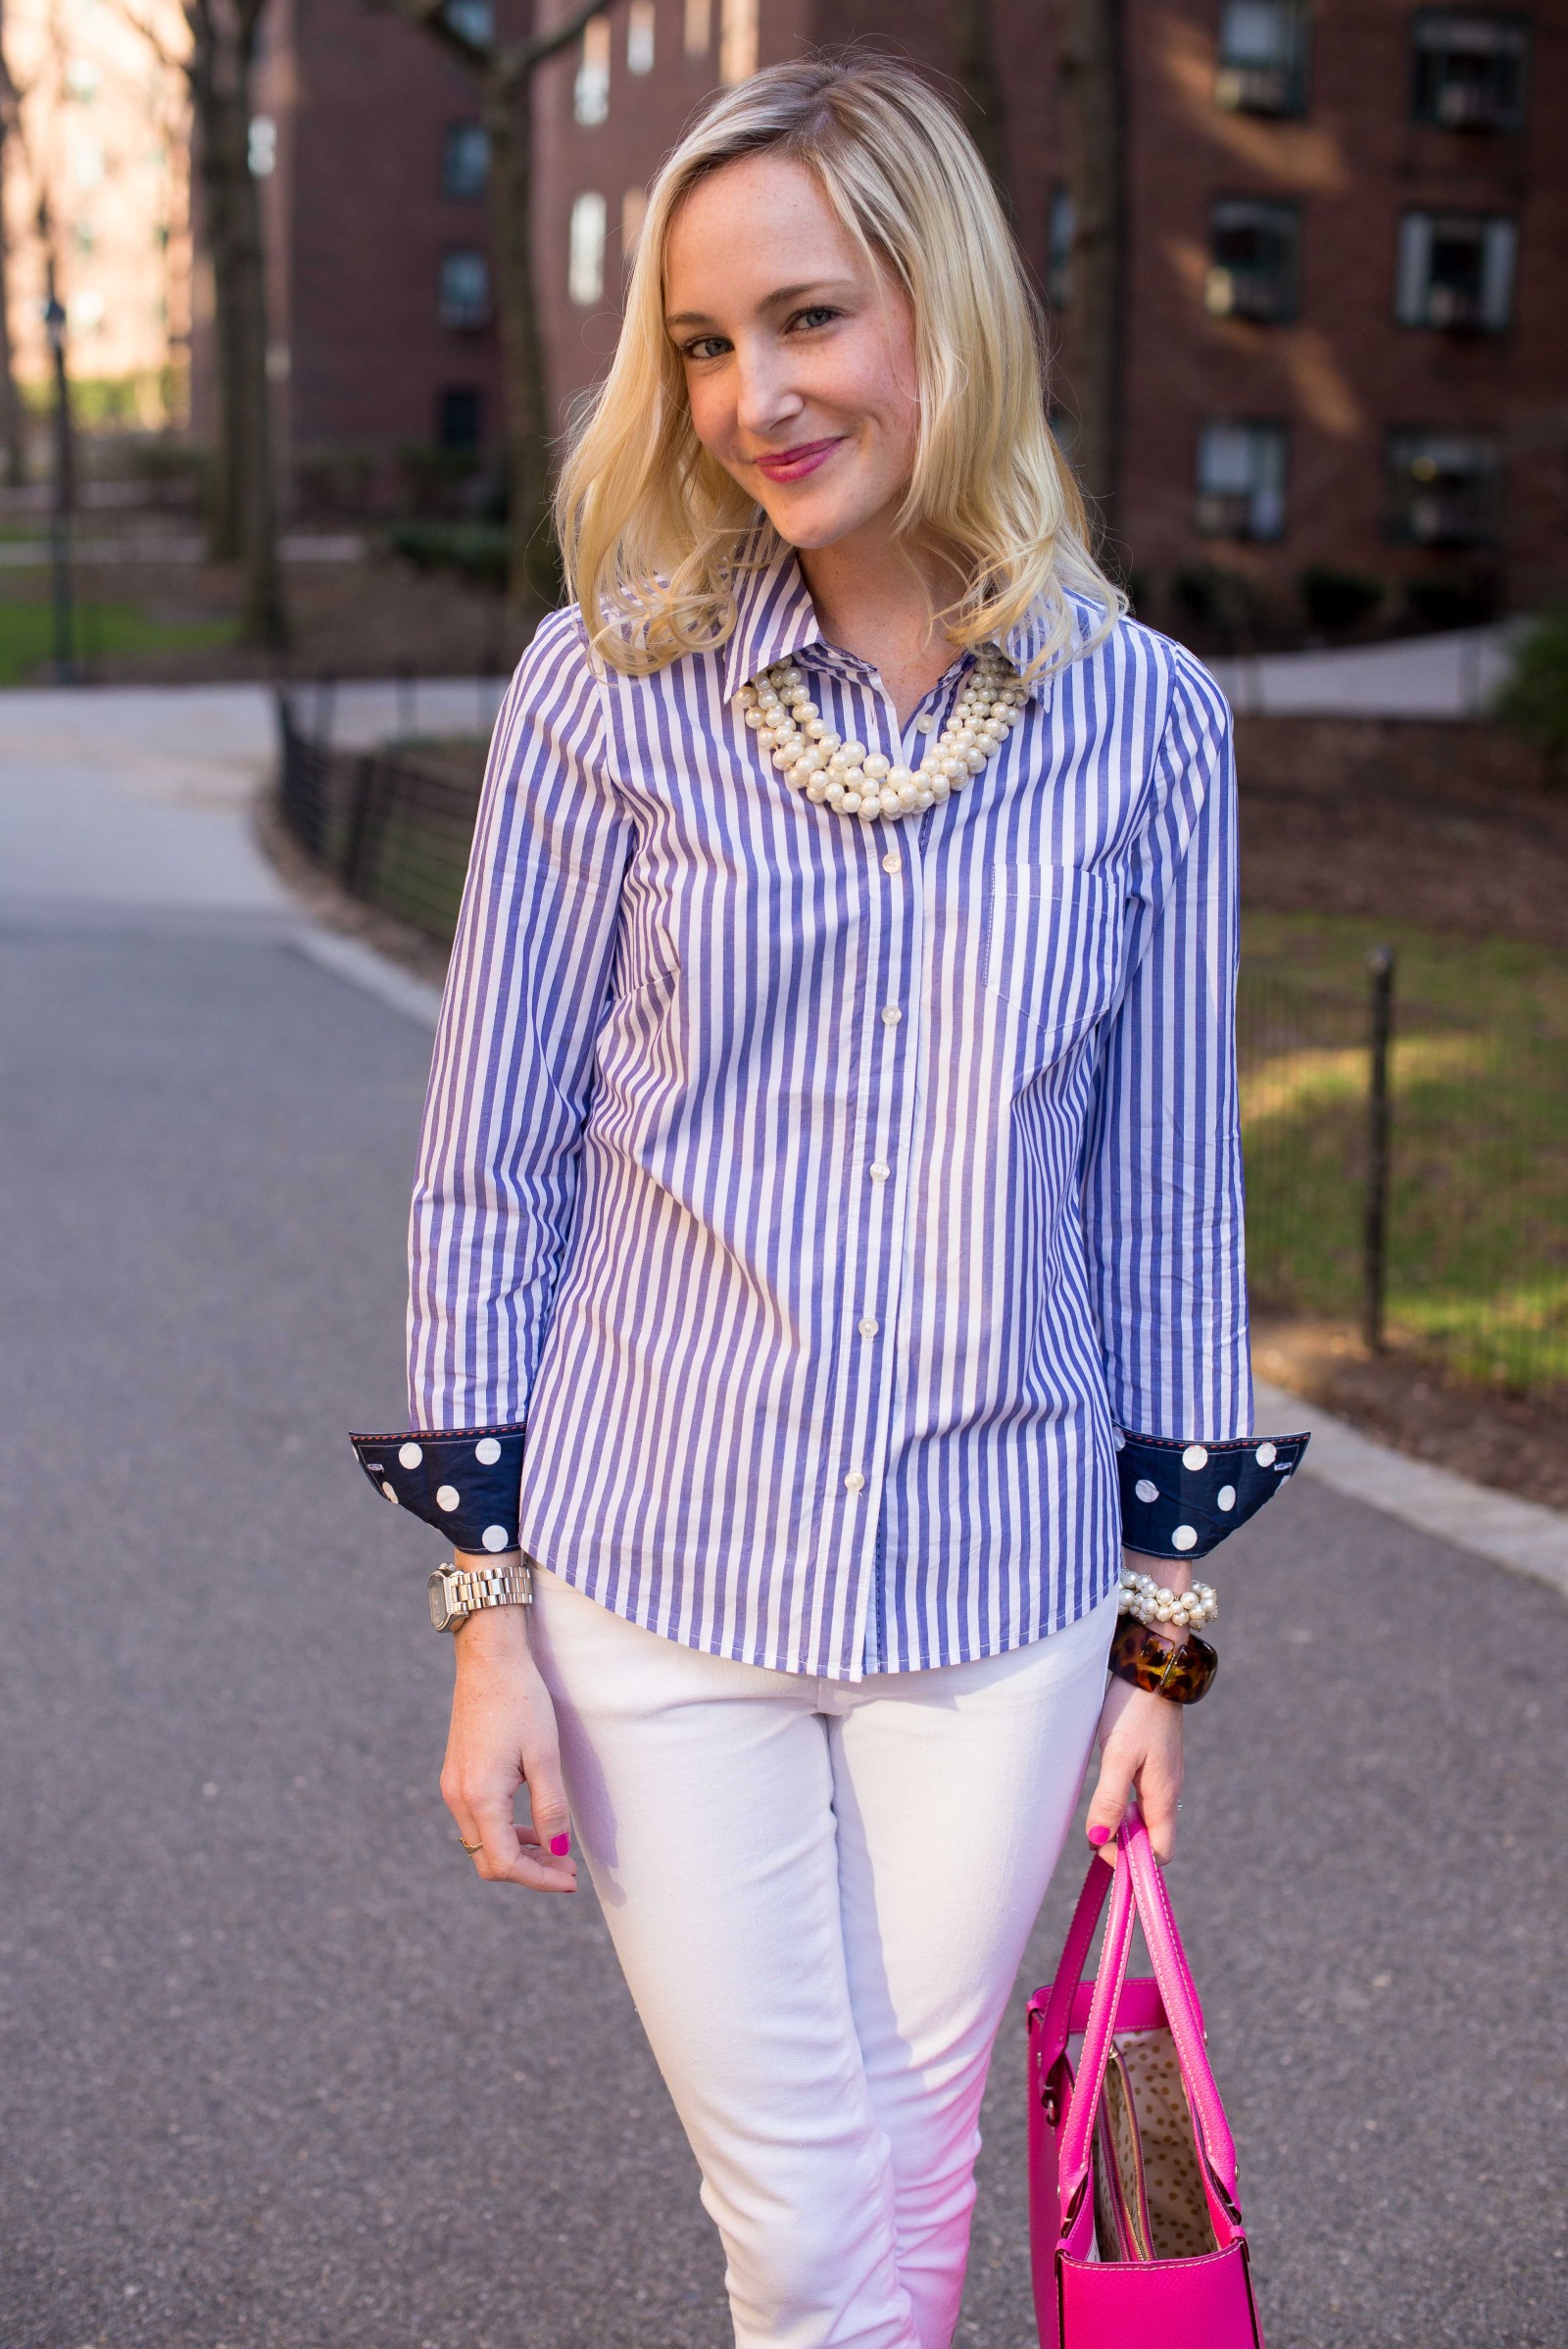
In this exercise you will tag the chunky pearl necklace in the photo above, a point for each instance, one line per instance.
(791, 730)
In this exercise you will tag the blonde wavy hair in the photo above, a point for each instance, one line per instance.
(654, 531)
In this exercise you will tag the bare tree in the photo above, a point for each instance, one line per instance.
(1093, 125)
(506, 69)
(219, 68)
(974, 58)
(12, 438)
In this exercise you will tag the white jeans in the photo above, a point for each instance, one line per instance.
(819, 1894)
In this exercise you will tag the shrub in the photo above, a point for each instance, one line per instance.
(1217, 598)
(1463, 603)
(1535, 699)
(478, 550)
(1338, 601)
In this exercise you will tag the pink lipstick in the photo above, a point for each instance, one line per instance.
(793, 465)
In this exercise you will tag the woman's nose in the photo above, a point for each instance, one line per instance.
(765, 399)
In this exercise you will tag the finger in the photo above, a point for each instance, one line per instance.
(1157, 1800)
(505, 1858)
(1107, 1808)
(547, 1802)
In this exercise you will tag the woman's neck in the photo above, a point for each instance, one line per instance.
(875, 601)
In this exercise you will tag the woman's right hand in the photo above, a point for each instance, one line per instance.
(503, 1735)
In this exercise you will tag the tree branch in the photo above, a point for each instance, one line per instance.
(550, 44)
(431, 15)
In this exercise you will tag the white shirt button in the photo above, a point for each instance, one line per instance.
(878, 1172)
(893, 862)
(891, 1016)
(855, 1482)
(869, 1328)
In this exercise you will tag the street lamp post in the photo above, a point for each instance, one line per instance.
(65, 657)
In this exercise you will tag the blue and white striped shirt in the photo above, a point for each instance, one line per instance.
(824, 1194)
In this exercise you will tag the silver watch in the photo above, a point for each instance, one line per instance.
(455, 1594)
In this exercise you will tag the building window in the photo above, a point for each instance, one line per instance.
(737, 40)
(591, 97)
(1469, 69)
(585, 251)
(1264, 50)
(633, 210)
(464, 160)
(465, 290)
(1252, 245)
(1456, 272)
(640, 37)
(475, 20)
(1445, 488)
(459, 417)
(698, 26)
(1059, 256)
(1241, 480)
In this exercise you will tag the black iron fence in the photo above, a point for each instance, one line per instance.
(391, 827)
(1406, 1167)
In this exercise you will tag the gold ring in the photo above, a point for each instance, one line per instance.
(472, 1848)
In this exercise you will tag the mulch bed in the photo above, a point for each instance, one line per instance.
(1455, 826)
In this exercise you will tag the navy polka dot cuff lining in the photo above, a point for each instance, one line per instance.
(464, 1481)
(1180, 1501)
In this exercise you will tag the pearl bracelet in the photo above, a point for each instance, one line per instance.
(1153, 1603)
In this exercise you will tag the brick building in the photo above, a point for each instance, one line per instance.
(1343, 341)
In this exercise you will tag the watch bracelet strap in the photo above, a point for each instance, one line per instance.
(1150, 1659)
(475, 1588)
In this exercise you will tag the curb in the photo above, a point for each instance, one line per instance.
(362, 966)
(1520, 1535)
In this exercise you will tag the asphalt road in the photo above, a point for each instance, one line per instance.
(278, 2072)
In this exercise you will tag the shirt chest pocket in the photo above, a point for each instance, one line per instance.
(1052, 947)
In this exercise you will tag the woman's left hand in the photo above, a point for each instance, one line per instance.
(1140, 1750)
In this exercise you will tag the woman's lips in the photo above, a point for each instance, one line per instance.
(793, 465)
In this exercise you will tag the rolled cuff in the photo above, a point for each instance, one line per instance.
(463, 1481)
(1180, 1499)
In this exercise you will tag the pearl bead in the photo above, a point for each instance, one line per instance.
(816, 727)
(876, 765)
(853, 753)
(908, 793)
(805, 708)
(940, 788)
(784, 760)
(755, 717)
(833, 793)
(926, 795)
(871, 807)
(766, 739)
(747, 697)
(817, 792)
(898, 776)
(849, 801)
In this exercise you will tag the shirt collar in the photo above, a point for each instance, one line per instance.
(776, 617)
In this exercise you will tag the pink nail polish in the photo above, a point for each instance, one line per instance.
(559, 1845)
(1099, 1835)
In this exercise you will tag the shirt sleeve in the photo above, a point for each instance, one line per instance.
(1161, 1186)
(500, 1149)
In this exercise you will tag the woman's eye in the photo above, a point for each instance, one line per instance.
(705, 346)
(818, 316)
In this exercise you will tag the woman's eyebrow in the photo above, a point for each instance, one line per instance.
(779, 299)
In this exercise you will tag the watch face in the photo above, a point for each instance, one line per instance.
(442, 1615)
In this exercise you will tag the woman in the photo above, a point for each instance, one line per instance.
(831, 1156)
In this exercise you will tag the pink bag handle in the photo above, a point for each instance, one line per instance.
(1140, 1890)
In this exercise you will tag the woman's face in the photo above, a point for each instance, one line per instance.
(799, 355)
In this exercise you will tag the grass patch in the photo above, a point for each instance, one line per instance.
(103, 631)
(1478, 1211)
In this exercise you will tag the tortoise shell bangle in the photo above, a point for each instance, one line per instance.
(1151, 1658)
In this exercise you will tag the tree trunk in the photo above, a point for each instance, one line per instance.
(974, 62)
(1093, 118)
(244, 501)
(12, 438)
(533, 565)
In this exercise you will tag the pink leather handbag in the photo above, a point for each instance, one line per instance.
(1135, 2230)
